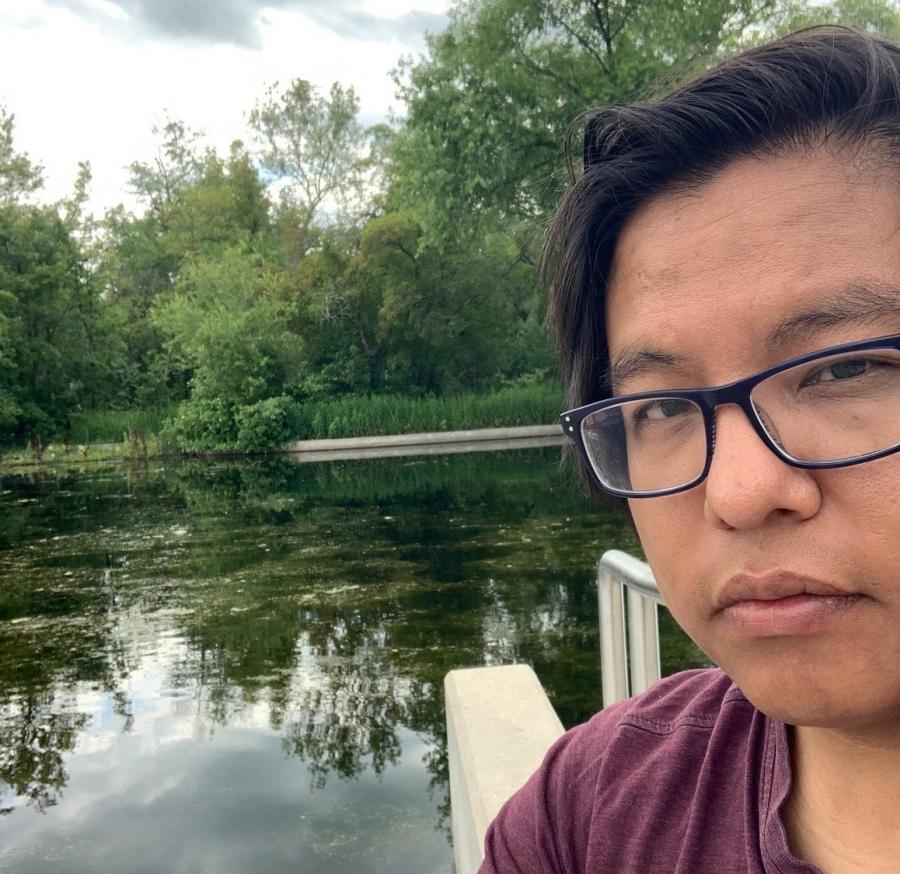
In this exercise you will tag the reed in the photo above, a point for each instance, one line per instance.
(364, 416)
(111, 426)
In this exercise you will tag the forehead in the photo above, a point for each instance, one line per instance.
(710, 272)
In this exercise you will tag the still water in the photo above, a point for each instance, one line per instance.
(237, 667)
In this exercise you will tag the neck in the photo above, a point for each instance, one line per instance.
(842, 814)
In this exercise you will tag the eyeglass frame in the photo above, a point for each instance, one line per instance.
(708, 399)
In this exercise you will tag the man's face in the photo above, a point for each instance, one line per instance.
(705, 279)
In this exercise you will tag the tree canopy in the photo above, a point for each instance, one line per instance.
(321, 257)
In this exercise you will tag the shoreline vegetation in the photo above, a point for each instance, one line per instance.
(127, 435)
(322, 278)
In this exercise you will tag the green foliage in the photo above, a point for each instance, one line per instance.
(108, 426)
(388, 261)
(197, 205)
(875, 16)
(215, 425)
(533, 403)
(398, 315)
(315, 144)
(202, 425)
(223, 323)
(264, 425)
(52, 354)
(212, 425)
(490, 102)
(19, 177)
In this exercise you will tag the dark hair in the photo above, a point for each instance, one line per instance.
(822, 85)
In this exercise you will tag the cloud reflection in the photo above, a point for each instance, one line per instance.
(213, 705)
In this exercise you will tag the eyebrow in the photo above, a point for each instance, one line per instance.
(858, 302)
(631, 363)
(855, 303)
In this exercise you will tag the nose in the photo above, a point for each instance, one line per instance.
(748, 484)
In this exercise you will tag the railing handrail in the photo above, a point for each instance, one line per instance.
(632, 573)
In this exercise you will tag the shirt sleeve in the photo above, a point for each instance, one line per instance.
(544, 827)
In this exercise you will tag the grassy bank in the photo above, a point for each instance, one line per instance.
(104, 434)
(110, 426)
(397, 414)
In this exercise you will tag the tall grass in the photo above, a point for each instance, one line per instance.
(356, 415)
(363, 416)
(109, 426)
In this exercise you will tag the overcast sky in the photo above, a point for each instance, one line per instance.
(87, 79)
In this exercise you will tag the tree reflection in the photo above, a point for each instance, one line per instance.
(347, 725)
(36, 729)
(333, 598)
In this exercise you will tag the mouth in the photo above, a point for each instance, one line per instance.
(782, 603)
(775, 586)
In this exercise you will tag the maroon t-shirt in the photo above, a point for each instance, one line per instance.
(688, 778)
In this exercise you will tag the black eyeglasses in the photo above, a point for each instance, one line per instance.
(832, 408)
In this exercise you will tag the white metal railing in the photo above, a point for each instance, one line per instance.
(500, 722)
(629, 644)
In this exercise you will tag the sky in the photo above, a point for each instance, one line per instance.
(88, 79)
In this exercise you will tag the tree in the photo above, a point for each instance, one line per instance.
(175, 168)
(490, 102)
(72, 208)
(315, 146)
(19, 177)
(395, 315)
(198, 205)
(48, 312)
(875, 16)
(223, 321)
(53, 349)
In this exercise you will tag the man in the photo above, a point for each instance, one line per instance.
(726, 300)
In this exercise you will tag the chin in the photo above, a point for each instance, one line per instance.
(821, 695)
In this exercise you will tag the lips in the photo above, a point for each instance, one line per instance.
(783, 604)
(774, 586)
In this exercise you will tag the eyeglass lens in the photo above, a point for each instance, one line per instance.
(833, 409)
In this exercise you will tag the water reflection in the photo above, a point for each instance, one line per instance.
(239, 666)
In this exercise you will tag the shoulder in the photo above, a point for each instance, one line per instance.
(657, 740)
(697, 699)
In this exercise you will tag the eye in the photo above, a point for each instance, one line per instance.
(843, 370)
(846, 369)
(662, 409)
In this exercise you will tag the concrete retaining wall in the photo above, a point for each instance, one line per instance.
(499, 726)
(430, 438)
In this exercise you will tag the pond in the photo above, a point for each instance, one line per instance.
(234, 667)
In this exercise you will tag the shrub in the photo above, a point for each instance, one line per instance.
(202, 425)
(263, 425)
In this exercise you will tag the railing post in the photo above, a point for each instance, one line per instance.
(643, 642)
(613, 658)
(635, 671)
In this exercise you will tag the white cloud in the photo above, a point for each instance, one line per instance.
(393, 9)
(83, 88)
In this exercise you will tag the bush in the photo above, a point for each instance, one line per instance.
(202, 426)
(263, 425)
(214, 425)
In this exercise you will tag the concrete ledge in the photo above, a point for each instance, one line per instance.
(499, 726)
(425, 449)
(525, 432)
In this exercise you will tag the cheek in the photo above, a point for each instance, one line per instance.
(670, 531)
(665, 524)
(862, 509)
